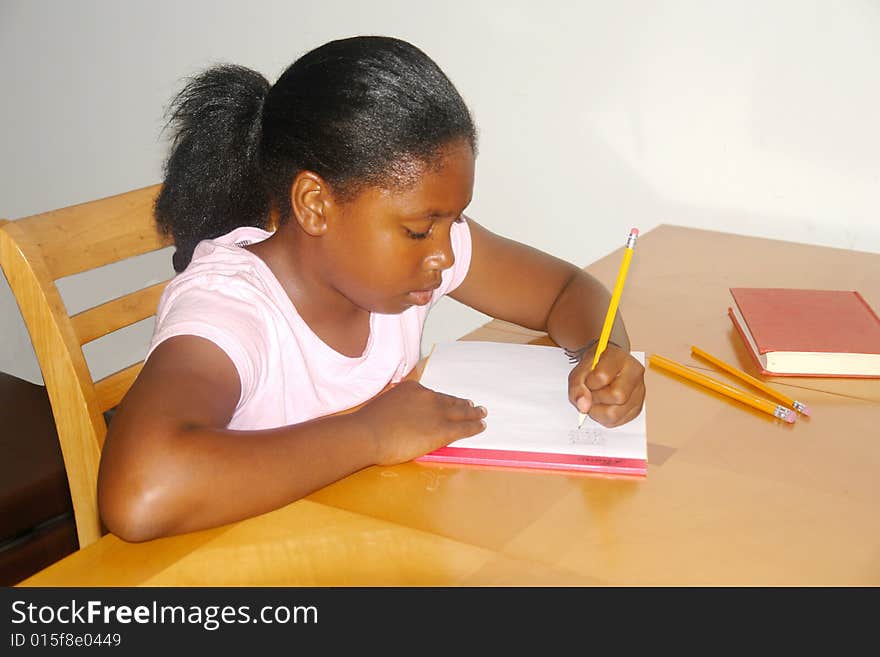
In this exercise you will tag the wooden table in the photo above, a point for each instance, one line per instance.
(732, 496)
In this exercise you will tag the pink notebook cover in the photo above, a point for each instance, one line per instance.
(537, 460)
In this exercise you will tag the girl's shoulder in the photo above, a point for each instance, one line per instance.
(222, 268)
(226, 294)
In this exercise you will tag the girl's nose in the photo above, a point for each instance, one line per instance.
(441, 257)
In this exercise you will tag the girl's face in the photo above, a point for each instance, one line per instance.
(389, 246)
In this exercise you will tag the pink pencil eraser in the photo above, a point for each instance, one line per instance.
(806, 411)
(635, 232)
(790, 416)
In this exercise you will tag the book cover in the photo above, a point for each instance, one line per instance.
(530, 421)
(808, 332)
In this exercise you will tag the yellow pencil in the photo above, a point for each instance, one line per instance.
(760, 403)
(612, 306)
(800, 407)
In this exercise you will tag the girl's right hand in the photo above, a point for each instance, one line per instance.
(410, 420)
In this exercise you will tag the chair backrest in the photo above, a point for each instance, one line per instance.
(35, 252)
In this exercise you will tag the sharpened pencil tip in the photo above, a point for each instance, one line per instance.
(581, 419)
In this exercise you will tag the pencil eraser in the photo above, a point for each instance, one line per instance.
(634, 232)
(801, 408)
(790, 416)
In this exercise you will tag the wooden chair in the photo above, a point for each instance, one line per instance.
(35, 252)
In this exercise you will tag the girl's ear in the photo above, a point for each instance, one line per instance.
(311, 199)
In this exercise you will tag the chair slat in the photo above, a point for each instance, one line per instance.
(124, 311)
(89, 235)
(111, 389)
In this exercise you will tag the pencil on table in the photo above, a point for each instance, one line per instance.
(760, 403)
(612, 306)
(800, 407)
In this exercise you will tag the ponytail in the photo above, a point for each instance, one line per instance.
(212, 176)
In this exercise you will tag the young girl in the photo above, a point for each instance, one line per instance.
(363, 154)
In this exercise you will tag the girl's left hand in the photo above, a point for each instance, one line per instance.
(613, 393)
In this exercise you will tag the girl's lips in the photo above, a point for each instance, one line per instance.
(421, 297)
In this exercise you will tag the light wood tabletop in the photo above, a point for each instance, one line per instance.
(732, 495)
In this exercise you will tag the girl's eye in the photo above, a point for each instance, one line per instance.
(419, 236)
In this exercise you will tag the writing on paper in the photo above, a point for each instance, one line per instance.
(587, 436)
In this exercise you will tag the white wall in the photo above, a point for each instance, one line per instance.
(758, 117)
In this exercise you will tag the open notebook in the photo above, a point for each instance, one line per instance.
(530, 422)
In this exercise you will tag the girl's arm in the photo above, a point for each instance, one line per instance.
(519, 284)
(169, 466)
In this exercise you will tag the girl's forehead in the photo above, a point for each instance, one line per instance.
(442, 185)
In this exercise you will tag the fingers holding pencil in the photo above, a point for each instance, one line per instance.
(613, 392)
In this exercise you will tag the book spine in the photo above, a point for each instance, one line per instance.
(745, 341)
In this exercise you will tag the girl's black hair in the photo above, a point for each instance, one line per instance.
(358, 111)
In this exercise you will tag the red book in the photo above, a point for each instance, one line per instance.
(795, 332)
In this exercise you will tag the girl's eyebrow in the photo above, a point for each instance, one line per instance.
(439, 214)
(433, 213)
(429, 215)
